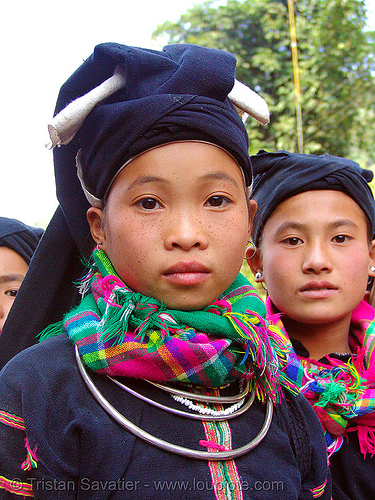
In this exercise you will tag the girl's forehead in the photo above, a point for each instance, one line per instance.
(186, 162)
(318, 207)
(11, 262)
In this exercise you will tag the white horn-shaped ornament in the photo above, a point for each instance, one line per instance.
(248, 101)
(66, 124)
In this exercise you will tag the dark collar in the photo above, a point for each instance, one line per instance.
(301, 351)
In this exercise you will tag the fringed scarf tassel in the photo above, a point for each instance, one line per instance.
(117, 317)
(51, 331)
(340, 386)
(366, 438)
(267, 353)
(31, 461)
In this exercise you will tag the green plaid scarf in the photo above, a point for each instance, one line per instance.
(120, 332)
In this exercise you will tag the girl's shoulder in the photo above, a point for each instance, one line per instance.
(48, 363)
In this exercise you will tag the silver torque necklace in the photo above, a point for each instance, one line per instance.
(209, 415)
(165, 445)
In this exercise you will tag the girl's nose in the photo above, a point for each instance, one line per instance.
(317, 260)
(186, 231)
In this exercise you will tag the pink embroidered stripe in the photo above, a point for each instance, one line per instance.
(12, 420)
(16, 487)
(225, 478)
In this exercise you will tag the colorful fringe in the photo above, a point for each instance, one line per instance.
(122, 333)
(342, 394)
(31, 461)
(319, 490)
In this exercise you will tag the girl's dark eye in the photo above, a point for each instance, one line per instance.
(148, 203)
(293, 241)
(341, 238)
(12, 293)
(218, 201)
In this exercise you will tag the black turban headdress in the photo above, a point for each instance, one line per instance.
(121, 102)
(281, 175)
(19, 237)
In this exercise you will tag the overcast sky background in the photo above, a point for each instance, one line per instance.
(42, 43)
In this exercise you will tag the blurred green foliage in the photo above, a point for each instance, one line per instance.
(336, 64)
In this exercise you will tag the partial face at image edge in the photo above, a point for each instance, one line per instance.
(13, 269)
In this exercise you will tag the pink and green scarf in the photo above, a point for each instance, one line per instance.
(122, 333)
(342, 394)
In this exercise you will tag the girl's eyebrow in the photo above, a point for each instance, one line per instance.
(301, 227)
(211, 176)
(146, 179)
(290, 225)
(7, 278)
(343, 222)
(220, 176)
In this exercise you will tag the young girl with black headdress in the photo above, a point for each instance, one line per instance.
(164, 379)
(315, 253)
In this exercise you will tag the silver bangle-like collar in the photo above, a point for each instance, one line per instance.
(165, 445)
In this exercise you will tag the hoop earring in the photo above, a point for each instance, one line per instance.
(254, 252)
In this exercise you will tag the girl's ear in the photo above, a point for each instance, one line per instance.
(372, 259)
(95, 219)
(254, 261)
(252, 209)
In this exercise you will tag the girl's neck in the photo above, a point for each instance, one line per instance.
(320, 339)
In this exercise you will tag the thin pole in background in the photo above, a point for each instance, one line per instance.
(297, 89)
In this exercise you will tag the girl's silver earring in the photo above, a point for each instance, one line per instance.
(258, 275)
(372, 269)
(254, 252)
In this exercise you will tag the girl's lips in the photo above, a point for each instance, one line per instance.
(318, 290)
(187, 273)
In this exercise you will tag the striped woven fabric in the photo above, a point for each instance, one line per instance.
(342, 394)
